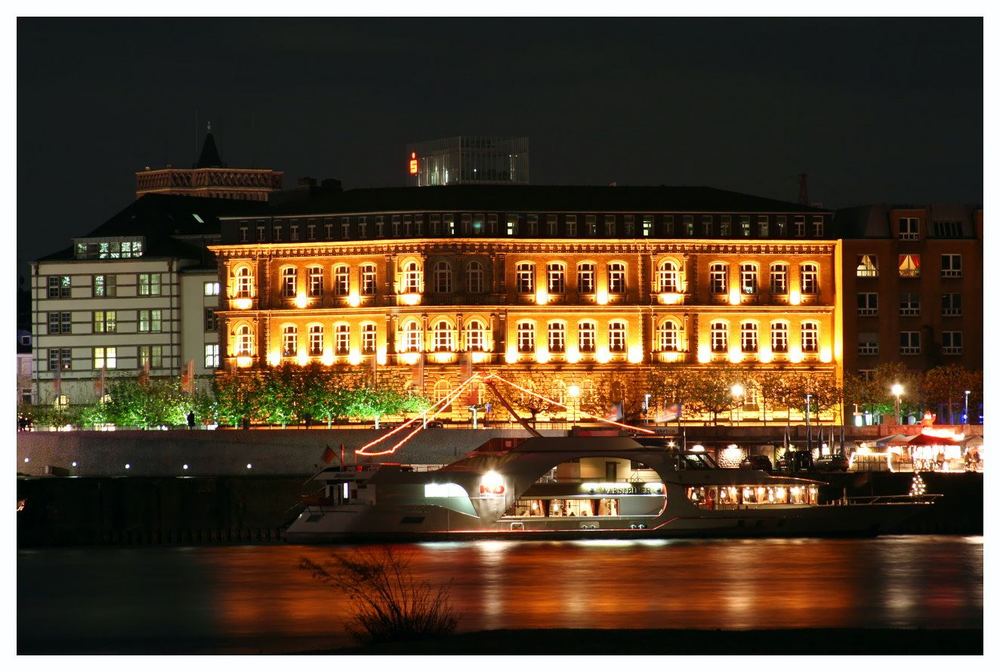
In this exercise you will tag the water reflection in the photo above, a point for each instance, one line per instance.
(256, 598)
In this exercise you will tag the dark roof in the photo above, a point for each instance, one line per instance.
(538, 198)
(165, 219)
(209, 157)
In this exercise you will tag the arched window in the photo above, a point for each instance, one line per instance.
(368, 279)
(315, 339)
(289, 340)
(667, 336)
(369, 336)
(810, 336)
(809, 278)
(412, 337)
(587, 336)
(475, 277)
(315, 280)
(444, 337)
(779, 336)
(442, 389)
(525, 277)
(748, 336)
(718, 278)
(616, 278)
(526, 336)
(341, 280)
(616, 335)
(442, 277)
(555, 273)
(244, 283)
(289, 281)
(557, 336)
(475, 336)
(720, 336)
(342, 338)
(412, 277)
(585, 277)
(779, 278)
(667, 277)
(748, 278)
(243, 337)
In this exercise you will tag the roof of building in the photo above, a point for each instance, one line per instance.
(165, 220)
(538, 198)
(209, 157)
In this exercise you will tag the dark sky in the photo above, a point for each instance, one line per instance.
(874, 110)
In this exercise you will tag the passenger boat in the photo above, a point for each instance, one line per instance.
(570, 487)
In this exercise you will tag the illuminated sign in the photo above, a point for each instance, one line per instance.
(413, 163)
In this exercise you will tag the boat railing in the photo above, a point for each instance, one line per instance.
(885, 499)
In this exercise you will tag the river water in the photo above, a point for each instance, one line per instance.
(241, 599)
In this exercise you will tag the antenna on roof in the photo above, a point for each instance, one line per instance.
(803, 189)
(196, 134)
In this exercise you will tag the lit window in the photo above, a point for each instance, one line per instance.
(909, 265)
(475, 335)
(763, 222)
(587, 336)
(585, 278)
(525, 277)
(616, 336)
(781, 225)
(105, 358)
(809, 278)
(867, 266)
(526, 337)
(105, 321)
(341, 280)
(444, 339)
(616, 278)
(557, 336)
(150, 321)
(151, 356)
(779, 278)
(512, 225)
(244, 341)
(412, 337)
(647, 226)
(810, 337)
(591, 221)
(748, 336)
(475, 277)
(556, 276)
(212, 356)
(667, 277)
(719, 336)
(412, 278)
(211, 289)
(369, 335)
(667, 336)
(442, 277)
(149, 284)
(289, 282)
(244, 282)
(315, 339)
(748, 278)
(106, 285)
(315, 280)
(725, 226)
(342, 338)
(289, 341)
(718, 278)
(368, 279)
(745, 226)
(779, 336)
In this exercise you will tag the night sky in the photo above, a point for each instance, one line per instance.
(873, 110)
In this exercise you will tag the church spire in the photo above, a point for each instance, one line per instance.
(209, 157)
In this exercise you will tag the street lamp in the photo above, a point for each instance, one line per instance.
(966, 418)
(897, 390)
(737, 391)
(574, 392)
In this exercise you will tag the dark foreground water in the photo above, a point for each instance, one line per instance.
(254, 598)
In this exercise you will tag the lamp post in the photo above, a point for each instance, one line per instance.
(897, 390)
(737, 391)
(574, 393)
(808, 432)
(966, 417)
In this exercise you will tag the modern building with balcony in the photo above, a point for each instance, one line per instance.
(566, 283)
(468, 159)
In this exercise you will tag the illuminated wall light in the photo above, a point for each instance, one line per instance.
(410, 358)
(765, 356)
(301, 301)
(480, 357)
(542, 297)
(354, 358)
(274, 358)
(410, 299)
(795, 297)
(734, 297)
(704, 354)
(826, 355)
(302, 358)
(635, 354)
(602, 297)
(542, 355)
(442, 357)
(185, 467)
(244, 361)
(243, 303)
(512, 355)
(249, 466)
(572, 355)
(381, 357)
(603, 356)
(354, 299)
(670, 298)
(74, 464)
(670, 356)
(128, 466)
(735, 355)
(328, 359)
(795, 355)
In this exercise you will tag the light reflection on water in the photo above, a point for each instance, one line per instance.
(249, 598)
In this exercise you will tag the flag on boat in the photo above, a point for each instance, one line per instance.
(329, 455)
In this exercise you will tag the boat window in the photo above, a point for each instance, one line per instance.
(695, 461)
(735, 496)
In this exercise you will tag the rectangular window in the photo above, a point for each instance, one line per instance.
(718, 278)
(533, 226)
(552, 222)
(293, 232)
(779, 278)
(315, 340)
(616, 336)
(951, 342)
(748, 337)
(368, 339)
(311, 231)
(591, 226)
(909, 342)
(341, 280)
(647, 226)
(867, 265)
(610, 226)
(909, 265)
(818, 227)
(748, 278)
(211, 321)
(525, 278)
(395, 226)
(345, 228)
(585, 278)
(150, 321)
(556, 273)
(277, 233)
(59, 287)
(243, 234)
(60, 323)
(725, 226)
(810, 337)
(435, 225)
(525, 337)
(951, 305)
(909, 304)
(314, 277)
(867, 304)
(362, 228)
(719, 336)
(668, 225)
(211, 289)
(587, 336)
(868, 344)
(800, 226)
(571, 226)
(557, 336)
(951, 265)
(512, 225)
(781, 225)
(368, 279)
(630, 226)
(745, 226)
(491, 223)
(342, 340)
(60, 359)
(105, 285)
(260, 234)
(909, 228)
(809, 278)
(149, 284)
(779, 336)
(212, 356)
(105, 321)
(616, 278)
(707, 225)
(151, 356)
(105, 358)
(688, 225)
(763, 224)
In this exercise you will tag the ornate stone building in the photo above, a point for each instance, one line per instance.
(561, 283)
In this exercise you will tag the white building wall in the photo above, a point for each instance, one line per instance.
(194, 336)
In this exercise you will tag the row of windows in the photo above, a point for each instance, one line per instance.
(609, 226)
(908, 266)
(147, 284)
(148, 356)
(909, 304)
(106, 321)
(110, 249)
(909, 343)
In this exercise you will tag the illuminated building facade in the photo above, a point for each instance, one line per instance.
(467, 159)
(209, 178)
(559, 282)
(913, 286)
